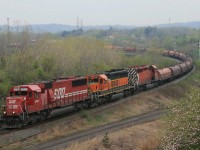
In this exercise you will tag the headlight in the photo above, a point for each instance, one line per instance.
(13, 112)
(4, 112)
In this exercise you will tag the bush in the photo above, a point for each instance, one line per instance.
(106, 140)
(182, 124)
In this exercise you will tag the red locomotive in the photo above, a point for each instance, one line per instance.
(34, 102)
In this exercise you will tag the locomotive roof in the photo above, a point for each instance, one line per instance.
(104, 76)
(69, 78)
(32, 87)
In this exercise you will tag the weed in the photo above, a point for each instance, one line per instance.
(84, 114)
(106, 140)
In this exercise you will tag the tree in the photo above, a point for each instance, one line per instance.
(150, 31)
(182, 124)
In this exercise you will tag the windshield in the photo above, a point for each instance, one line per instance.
(96, 80)
(18, 93)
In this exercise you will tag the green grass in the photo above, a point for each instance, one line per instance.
(95, 119)
(84, 114)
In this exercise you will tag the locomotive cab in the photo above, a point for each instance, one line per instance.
(98, 82)
(16, 102)
(27, 94)
(20, 101)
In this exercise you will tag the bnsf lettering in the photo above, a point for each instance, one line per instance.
(59, 93)
(114, 83)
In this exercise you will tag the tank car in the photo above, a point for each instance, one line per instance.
(176, 71)
(163, 75)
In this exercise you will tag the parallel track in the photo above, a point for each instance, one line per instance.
(65, 141)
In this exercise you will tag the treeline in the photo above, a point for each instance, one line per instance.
(180, 38)
(47, 59)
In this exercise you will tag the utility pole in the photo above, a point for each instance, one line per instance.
(5, 49)
(81, 24)
(174, 46)
(8, 36)
(77, 23)
(199, 48)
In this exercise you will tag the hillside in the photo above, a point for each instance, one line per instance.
(54, 28)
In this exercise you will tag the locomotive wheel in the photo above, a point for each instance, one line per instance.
(132, 91)
(33, 119)
(76, 107)
(109, 97)
(126, 93)
(42, 116)
(86, 105)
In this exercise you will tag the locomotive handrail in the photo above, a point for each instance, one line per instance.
(2, 108)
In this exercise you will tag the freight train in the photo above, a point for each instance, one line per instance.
(30, 103)
(127, 49)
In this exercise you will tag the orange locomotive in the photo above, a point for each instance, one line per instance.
(112, 82)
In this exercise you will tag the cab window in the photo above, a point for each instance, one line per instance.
(18, 93)
(95, 80)
(101, 81)
(11, 93)
(36, 95)
(30, 94)
(24, 93)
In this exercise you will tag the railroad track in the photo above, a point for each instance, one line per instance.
(65, 141)
(4, 131)
(11, 136)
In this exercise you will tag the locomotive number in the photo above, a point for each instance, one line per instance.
(24, 89)
(12, 101)
(114, 83)
(59, 93)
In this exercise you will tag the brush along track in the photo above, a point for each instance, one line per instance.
(65, 141)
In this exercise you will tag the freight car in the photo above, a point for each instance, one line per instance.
(127, 49)
(34, 102)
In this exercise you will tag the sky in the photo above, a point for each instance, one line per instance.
(99, 12)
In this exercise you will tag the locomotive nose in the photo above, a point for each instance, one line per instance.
(13, 106)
